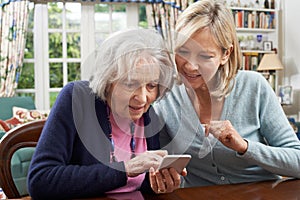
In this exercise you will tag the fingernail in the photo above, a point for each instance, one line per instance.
(151, 170)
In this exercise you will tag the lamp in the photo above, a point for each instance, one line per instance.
(269, 64)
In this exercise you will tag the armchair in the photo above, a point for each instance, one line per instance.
(21, 159)
(24, 136)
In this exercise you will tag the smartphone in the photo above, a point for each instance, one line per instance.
(178, 162)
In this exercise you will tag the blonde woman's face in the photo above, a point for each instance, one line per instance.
(199, 58)
(131, 96)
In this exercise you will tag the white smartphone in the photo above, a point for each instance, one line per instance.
(178, 162)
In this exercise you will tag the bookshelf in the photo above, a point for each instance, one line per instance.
(254, 18)
(257, 31)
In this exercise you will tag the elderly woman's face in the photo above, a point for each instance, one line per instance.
(131, 97)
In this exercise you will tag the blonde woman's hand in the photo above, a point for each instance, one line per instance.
(225, 133)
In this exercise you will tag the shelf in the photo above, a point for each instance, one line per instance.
(255, 30)
(257, 51)
(253, 9)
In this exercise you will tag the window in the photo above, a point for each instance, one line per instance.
(61, 36)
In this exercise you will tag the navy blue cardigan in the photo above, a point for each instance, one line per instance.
(63, 167)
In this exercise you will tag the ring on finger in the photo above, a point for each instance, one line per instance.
(160, 191)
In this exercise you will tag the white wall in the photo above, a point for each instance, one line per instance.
(291, 51)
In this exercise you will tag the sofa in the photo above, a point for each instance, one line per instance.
(21, 159)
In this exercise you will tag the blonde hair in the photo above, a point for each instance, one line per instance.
(219, 19)
(120, 53)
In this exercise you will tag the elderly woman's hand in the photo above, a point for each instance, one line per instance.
(143, 162)
(166, 180)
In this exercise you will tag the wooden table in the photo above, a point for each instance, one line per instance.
(289, 190)
(270, 190)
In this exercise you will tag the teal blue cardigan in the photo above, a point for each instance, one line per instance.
(256, 114)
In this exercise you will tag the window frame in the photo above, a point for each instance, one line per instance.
(41, 58)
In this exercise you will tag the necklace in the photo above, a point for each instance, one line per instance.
(132, 140)
(112, 143)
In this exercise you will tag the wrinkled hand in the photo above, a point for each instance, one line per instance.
(143, 162)
(166, 180)
(225, 133)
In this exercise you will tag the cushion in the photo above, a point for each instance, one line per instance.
(21, 116)
(24, 115)
(20, 164)
(9, 124)
(4, 126)
(2, 133)
(6, 104)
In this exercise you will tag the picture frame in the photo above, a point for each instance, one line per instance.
(286, 95)
(267, 45)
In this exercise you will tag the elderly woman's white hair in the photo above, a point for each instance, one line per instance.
(121, 52)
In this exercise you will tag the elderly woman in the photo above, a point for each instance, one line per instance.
(102, 135)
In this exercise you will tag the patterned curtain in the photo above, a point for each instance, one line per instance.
(162, 16)
(13, 25)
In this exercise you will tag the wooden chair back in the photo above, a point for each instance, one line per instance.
(25, 135)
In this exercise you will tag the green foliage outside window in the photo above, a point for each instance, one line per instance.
(53, 96)
(143, 17)
(55, 15)
(27, 78)
(73, 72)
(56, 75)
(73, 45)
(55, 45)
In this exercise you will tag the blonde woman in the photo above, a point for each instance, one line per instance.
(229, 120)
